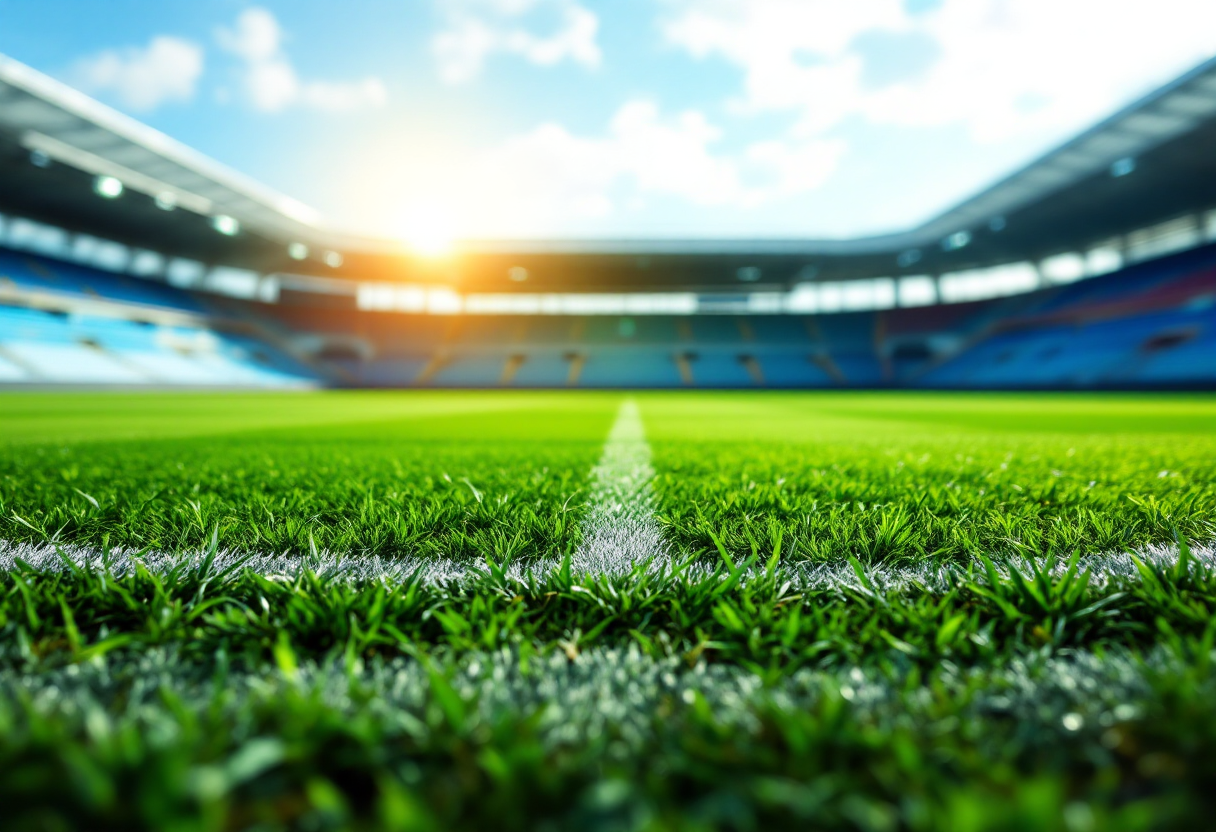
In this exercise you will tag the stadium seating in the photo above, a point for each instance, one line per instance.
(1151, 324)
(793, 370)
(630, 368)
(543, 369)
(723, 369)
(1093, 333)
(67, 324)
(470, 371)
(37, 275)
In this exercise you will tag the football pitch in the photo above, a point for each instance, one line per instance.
(607, 611)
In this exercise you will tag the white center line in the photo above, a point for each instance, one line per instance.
(620, 529)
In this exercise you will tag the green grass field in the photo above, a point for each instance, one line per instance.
(866, 611)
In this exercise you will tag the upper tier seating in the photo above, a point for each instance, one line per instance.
(37, 274)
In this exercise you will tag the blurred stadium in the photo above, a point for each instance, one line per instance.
(129, 259)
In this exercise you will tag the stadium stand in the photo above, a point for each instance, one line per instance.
(62, 323)
(27, 275)
(1152, 324)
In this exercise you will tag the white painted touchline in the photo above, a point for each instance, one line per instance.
(1103, 567)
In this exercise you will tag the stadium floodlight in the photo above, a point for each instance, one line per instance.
(108, 187)
(333, 259)
(748, 274)
(957, 240)
(40, 159)
(1123, 167)
(166, 200)
(517, 273)
(996, 224)
(908, 258)
(297, 251)
(226, 225)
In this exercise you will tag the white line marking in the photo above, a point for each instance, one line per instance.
(620, 529)
(1104, 567)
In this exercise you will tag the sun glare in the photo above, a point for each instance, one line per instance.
(428, 232)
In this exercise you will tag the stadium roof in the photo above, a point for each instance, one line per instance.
(1147, 163)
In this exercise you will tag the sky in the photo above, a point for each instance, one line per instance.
(429, 120)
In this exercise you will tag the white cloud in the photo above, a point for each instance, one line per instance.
(476, 29)
(1001, 68)
(651, 154)
(794, 166)
(167, 69)
(550, 178)
(270, 81)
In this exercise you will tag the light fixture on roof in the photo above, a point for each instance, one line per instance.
(748, 274)
(517, 273)
(39, 159)
(996, 224)
(297, 251)
(166, 200)
(957, 240)
(908, 258)
(108, 187)
(1123, 167)
(333, 259)
(226, 225)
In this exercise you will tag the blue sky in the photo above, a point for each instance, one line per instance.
(620, 118)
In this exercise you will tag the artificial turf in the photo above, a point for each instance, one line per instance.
(1022, 687)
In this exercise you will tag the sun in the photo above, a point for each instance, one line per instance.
(428, 231)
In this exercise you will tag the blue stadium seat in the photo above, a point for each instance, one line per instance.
(542, 370)
(650, 368)
(848, 333)
(471, 371)
(720, 370)
(779, 330)
(792, 369)
(716, 329)
(399, 371)
(859, 369)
